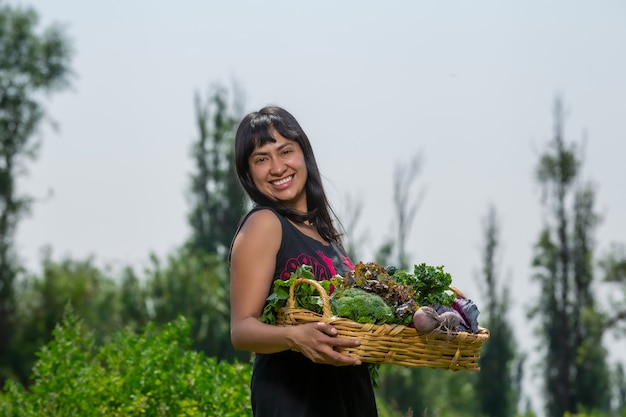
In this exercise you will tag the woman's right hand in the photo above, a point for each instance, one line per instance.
(317, 341)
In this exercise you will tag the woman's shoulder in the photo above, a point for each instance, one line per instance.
(262, 218)
(260, 234)
(264, 213)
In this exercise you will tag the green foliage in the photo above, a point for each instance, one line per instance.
(186, 283)
(498, 384)
(431, 284)
(361, 306)
(578, 375)
(31, 63)
(305, 295)
(593, 379)
(217, 200)
(92, 294)
(427, 392)
(133, 300)
(193, 284)
(613, 266)
(154, 373)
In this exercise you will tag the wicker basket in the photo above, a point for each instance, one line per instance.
(390, 343)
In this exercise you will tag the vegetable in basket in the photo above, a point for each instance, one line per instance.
(305, 295)
(430, 283)
(361, 306)
(426, 319)
(466, 313)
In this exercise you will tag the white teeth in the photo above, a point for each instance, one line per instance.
(283, 181)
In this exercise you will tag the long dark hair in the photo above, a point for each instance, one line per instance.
(254, 131)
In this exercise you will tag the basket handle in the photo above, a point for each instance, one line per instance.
(291, 301)
(457, 291)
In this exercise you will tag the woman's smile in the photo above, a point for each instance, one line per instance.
(282, 181)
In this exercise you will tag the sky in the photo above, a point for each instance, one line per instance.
(468, 86)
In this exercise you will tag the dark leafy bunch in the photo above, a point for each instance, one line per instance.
(431, 284)
(375, 279)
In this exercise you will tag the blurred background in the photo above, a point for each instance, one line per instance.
(485, 136)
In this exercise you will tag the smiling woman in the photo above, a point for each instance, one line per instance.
(290, 225)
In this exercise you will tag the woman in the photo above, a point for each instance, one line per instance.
(296, 371)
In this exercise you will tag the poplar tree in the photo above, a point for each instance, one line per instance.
(499, 381)
(217, 200)
(33, 63)
(576, 377)
(194, 280)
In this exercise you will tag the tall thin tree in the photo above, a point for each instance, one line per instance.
(217, 204)
(217, 200)
(406, 202)
(498, 384)
(397, 385)
(562, 264)
(32, 63)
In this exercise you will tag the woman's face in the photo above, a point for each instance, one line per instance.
(278, 170)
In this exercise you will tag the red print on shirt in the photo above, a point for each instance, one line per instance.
(329, 263)
(347, 262)
(319, 270)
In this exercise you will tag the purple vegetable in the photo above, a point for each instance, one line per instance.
(468, 310)
(463, 324)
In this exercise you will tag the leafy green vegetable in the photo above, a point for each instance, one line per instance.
(375, 279)
(305, 295)
(431, 284)
(361, 306)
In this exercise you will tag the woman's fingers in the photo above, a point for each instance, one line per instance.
(322, 348)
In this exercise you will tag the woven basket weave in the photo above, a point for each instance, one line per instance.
(390, 343)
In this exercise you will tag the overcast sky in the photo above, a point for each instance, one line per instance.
(468, 85)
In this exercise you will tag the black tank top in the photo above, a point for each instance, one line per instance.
(288, 384)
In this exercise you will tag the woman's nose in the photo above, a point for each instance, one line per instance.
(278, 168)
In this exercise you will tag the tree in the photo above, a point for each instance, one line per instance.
(353, 243)
(32, 63)
(577, 377)
(498, 385)
(422, 391)
(217, 200)
(405, 205)
(218, 203)
(133, 300)
(43, 299)
(191, 284)
(418, 391)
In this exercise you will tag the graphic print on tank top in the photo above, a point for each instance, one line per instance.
(322, 270)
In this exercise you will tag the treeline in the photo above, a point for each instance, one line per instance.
(185, 294)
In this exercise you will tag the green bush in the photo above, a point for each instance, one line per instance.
(154, 373)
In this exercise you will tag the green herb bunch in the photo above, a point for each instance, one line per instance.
(305, 296)
(431, 284)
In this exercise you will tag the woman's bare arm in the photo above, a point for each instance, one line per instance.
(251, 273)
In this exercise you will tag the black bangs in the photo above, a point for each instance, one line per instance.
(260, 129)
(261, 137)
